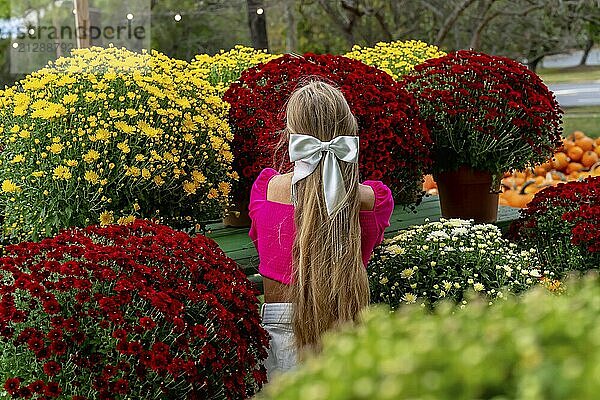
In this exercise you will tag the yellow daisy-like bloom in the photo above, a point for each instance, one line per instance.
(140, 123)
(190, 187)
(91, 177)
(396, 58)
(9, 187)
(212, 193)
(62, 172)
(130, 219)
(124, 147)
(106, 218)
(17, 159)
(225, 188)
(91, 156)
(56, 148)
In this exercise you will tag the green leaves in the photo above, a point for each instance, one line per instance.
(539, 346)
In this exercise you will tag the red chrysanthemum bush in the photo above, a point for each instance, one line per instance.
(486, 112)
(563, 223)
(138, 311)
(394, 141)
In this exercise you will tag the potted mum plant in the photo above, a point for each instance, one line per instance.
(394, 140)
(487, 114)
(135, 311)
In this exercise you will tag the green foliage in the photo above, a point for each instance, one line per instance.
(439, 260)
(540, 346)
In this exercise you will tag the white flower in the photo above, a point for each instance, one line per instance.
(535, 273)
(425, 247)
(433, 263)
(407, 273)
(447, 285)
(478, 287)
(383, 280)
(470, 281)
(409, 298)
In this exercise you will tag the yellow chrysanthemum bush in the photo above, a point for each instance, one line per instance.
(396, 58)
(107, 134)
(226, 67)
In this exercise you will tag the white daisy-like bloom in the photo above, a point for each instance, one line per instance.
(409, 298)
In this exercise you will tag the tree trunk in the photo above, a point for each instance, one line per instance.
(82, 23)
(533, 64)
(291, 38)
(589, 44)
(257, 21)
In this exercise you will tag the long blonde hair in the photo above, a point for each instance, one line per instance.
(329, 286)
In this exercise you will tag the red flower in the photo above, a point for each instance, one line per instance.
(392, 135)
(12, 385)
(174, 278)
(121, 386)
(52, 389)
(483, 109)
(51, 368)
(568, 211)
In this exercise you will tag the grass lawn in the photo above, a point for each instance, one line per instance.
(585, 73)
(585, 119)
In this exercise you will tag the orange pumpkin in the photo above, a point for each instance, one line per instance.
(589, 158)
(578, 135)
(560, 161)
(567, 144)
(429, 183)
(575, 153)
(585, 143)
(540, 170)
(597, 150)
(574, 167)
(598, 141)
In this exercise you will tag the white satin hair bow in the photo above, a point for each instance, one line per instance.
(306, 153)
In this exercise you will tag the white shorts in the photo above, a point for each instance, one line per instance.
(277, 321)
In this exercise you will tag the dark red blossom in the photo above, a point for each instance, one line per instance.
(94, 295)
(394, 142)
(472, 100)
(12, 385)
(568, 212)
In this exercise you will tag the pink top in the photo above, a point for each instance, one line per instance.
(273, 229)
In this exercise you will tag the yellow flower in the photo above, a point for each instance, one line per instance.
(91, 177)
(70, 98)
(225, 188)
(106, 218)
(71, 163)
(212, 193)
(55, 148)
(130, 219)
(17, 159)
(9, 187)
(190, 187)
(102, 134)
(158, 180)
(136, 207)
(148, 130)
(146, 173)
(122, 126)
(198, 177)
(62, 172)
(25, 134)
(38, 174)
(409, 298)
(124, 147)
(91, 156)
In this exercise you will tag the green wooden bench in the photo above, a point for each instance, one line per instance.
(236, 243)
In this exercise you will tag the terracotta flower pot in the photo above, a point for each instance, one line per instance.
(466, 194)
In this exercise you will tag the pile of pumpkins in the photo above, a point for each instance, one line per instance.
(577, 158)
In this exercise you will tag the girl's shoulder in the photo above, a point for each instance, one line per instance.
(383, 194)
